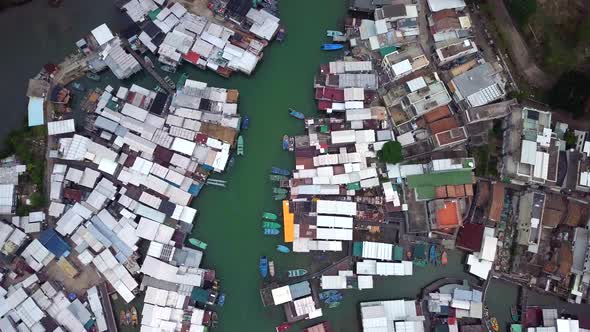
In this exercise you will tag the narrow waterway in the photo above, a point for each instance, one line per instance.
(229, 219)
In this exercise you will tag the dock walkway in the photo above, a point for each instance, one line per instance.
(108, 308)
(163, 84)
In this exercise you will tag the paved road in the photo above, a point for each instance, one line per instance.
(519, 52)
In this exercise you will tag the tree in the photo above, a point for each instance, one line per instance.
(570, 139)
(391, 152)
(571, 92)
(522, 10)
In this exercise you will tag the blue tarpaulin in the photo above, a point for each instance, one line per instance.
(54, 243)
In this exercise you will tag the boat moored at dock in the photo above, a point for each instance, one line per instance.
(283, 327)
(280, 171)
(269, 216)
(277, 177)
(271, 268)
(282, 248)
(270, 224)
(333, 33)
(168, 69)
(271, 231)
(332, 47)
(285, 142)
(296, 114)
(245, 123)
(296, 273)
(263, 266)
(197, 243)
(240, 149)
(93, 76)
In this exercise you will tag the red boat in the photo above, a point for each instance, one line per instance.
(283, 327)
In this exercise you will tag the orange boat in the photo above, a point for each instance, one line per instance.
(444, 259)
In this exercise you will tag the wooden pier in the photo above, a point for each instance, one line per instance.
(147, 67)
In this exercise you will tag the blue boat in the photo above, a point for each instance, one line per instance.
(296, 114)
(280, 171)
(221, 300)
(332, 47)
(326, 294)
(263, 266)
(432, 254)
(285, 142)
(283, 249)
(245, 122)
(271, 231)
(333, 298)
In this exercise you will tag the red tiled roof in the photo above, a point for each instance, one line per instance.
(437, 113)
(448, 215)
(332, 94)
(497, 201)
(451, 136)
(324, 105)
(443, 125)
(191, 57)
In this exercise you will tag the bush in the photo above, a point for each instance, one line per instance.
(571, 92)
(522, 10)
(391, 152)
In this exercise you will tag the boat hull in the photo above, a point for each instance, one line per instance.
(332, 47)
(283, 249)
(263, 266)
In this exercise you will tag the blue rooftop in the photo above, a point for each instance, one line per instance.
(54, 243)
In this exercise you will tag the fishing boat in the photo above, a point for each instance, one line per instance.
(197, 243)
(245, 123)
(93, 76)
(134, 320)
(432, 254)
(271, 268)
(326, 294)
(297, 273)
(283, 249)
(279, 191)
(271, 231)
(331, 47)
(263, 266)
(283, 327)
(280, 171)
(276, 177)
(514, 313)
(494, 324)
(78, 86)
(169, 81)
(279, 197)
(333, 305)
(285, 142)
(231, 161)
(240, 145)
(148, 61)
(333, 298)
(444, 258)
(291, 144)
(296, 114)
(221, 300)
(270, 224)
(332, 33)
(269, 216)
(168, 69)
(122, 318)
(182, 80)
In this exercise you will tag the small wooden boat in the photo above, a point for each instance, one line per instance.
(270, 224)
(444, 258)
(283, 249)
(279, 191)
(169, 81)
(432, 254)
(240, 145)
(271, 268)
(332, 33)
(245, 123)
(280, 171)
(285, 142)
(134, 320)
(279, 197)
(271, 231)
(128, 317)
(93, 76)
(263, 266)
(281, 34)
(296, 114)
(197, 243)
(283, 327)
(291, 144)
(514, 313)
(148, 61)
(276, 177)
(331, 47)
(297, 273)
(168, 69)
(494, 324)
(122, 318)
(221, 300)
(269, 216)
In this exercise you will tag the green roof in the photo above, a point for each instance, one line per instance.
(516, 328)
(353, 186)
(357, 249)
(387, 50)
(398, 253)
(426, 192)
(152, 14)
(440, 179)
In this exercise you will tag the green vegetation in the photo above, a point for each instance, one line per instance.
(571, 92)
(522, 10)
(486, 159)
(391, 152)
(570, 139)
